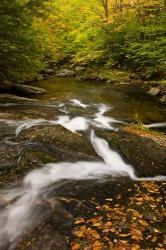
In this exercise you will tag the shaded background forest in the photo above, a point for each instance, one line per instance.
(127, 34)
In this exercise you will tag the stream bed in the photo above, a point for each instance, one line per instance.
(63, 186)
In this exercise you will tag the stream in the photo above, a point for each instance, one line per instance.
(93, 202)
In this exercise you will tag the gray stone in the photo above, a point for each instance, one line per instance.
(66, 73)
(153, 91)
(62, 144)
(48, 71)
(163, 99)
(145, 150)
(79, 68)
(39, 78)
(82, 78)
(28, 90)
(14, 98)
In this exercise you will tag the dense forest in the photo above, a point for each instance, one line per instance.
(110, 34)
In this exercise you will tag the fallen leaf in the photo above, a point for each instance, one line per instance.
(124, 235)
(136, 234)
(135, 247)
(143, 223)
(97, 245)
(75, 246)
(79, 220)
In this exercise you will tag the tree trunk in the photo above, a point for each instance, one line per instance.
(106, 16)
(121, 5)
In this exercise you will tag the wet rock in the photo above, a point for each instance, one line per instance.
(153, 91)
(82, 78)
(6, 115)
(14, 98)
(94, 78)
(52, 224)
(39, 77)
(48, 71)
(145, 150)
(79, 68)
(66, 73)
(27, 90)
(163, 99)
(59, 143)
(40, 145)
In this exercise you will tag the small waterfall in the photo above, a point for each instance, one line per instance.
(21, 214)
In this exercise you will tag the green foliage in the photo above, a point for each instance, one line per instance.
(118, 34)
(20, 51)
(137, 40)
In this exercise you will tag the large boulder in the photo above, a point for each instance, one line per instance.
(145, 150)
(40, 145)
(59, 143)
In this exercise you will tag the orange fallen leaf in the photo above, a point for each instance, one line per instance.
(143, 223)
(124, 235)
(135, 247)
(92, 234)
(80, 233)
(97, 245)
(79, 220)
(136, 234)
(75, 246)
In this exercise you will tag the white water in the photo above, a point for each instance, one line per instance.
(21, 214)
(156, 125)
(79, 123)
(78, 103)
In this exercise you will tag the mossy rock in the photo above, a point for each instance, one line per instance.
(40, 145)
(145, 150)
(62, 144)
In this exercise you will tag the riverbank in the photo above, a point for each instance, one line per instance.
(154, 88)
(120, 79)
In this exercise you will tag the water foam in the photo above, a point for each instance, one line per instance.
(156, 125)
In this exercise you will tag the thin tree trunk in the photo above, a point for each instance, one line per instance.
(106, 16)
(121, 5)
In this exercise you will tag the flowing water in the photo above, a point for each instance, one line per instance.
(81, 108)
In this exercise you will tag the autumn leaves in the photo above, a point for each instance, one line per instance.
(134, 225)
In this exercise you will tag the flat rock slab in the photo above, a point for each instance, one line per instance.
(28, 90)
(62, 144)
(14, 98)
(40, 145)
(144, 149)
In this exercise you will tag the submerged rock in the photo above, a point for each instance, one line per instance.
(145, 150)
